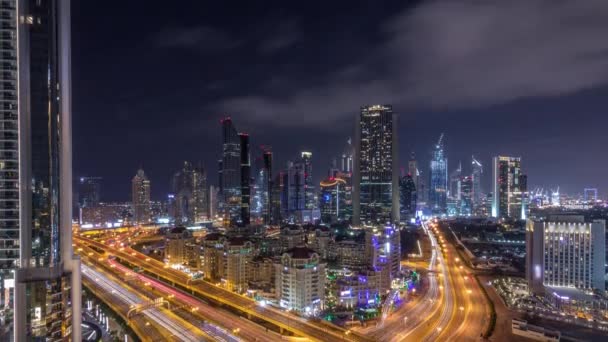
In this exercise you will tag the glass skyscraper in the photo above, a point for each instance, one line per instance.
(438, 182)
(40, 277)
(376, 170)
(230, 172)
(510, 188)
(476, 173)
(140, 192)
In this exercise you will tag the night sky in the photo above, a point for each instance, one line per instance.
(151, 80)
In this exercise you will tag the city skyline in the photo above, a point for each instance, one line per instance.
(202, 79)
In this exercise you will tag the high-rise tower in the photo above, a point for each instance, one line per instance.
(438, 179)
(476, 173)
(39, 275)
(140, 186)
(245, 178)
(376, 169)
(510, 188)
(230, 186)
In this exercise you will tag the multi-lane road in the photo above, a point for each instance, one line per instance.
(452, 308)
(168, 326)
(298, 325)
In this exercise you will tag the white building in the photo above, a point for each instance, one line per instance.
(300, 280)
(565, 252)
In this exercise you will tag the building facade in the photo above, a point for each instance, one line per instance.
(334, 199)
(140, 194)
(376, 169)
(89, 191)
(438, 179)
(190, 194)
(39, 275)
(407, 199)
(565, 252)
(476, 175)
(510, 188)
(300, 281)
(245, 216)
(230, 172)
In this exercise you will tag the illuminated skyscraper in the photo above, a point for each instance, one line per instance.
(230, 172)
(190, 190)
(455, 177)
(466, 196)
(140, 186)
(510, 188)
(89, 189)
(438, 179)
(476, 173)
(309, 188)
(245, 178)
(407, 189)
(376, 169)
(39, 275)
(412, 169)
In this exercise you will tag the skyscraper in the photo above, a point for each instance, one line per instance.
(309, 188)
(376, 169)
(39, 275)
(438, 180)
(510, 188)
(455, 177)
(295, 187)
(89, 189)
(267, 200)
(466, 196)
(407, 189)
(476, 173)
(245, 178)
(140, 186)
(230, 171)
(190, 190)
(412, 169)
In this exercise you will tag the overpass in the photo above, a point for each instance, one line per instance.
(202, 289)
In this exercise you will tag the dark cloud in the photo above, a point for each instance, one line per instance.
(445, 54)
(285, 35)
(199, 38)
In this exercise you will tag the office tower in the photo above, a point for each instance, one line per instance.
(295, 188)
(510, 188)
(300, 280)
(454, 189)
(230, 172)
(333, 199)
(407, 188)
(267, 198)
(376, 169)
(466, 196)
(476, 173)
(438, 179)
(245, 178)
(140, 186)
(279, 197)
(39, 275)
(346, 161)
(212, 201)
(89, 189)
(190, 190)
(412, 169)
(565, 252)
(309, 188)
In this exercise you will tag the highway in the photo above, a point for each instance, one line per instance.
(173, 329)
(298, 325)
(451, 309)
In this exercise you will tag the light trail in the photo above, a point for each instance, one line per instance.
(132, 299)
